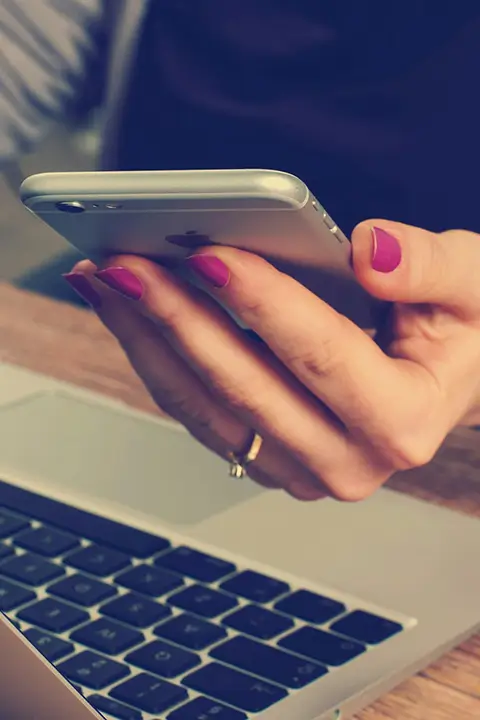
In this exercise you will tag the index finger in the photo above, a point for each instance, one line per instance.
(330, 355)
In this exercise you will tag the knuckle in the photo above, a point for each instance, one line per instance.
(172, 402)
(430, 281)
(166, 316)
(320, 363)
(252, 306)
(138, 339)
(430, 274)
(304, 493)
(249, 301)
(241, 398)
(410, 451)
(355, 481)
(351, 491)
(320, 359)
(243, 404)
(204, 422)
(201, 422)
(178, 404)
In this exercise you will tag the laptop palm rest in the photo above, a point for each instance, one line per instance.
(90, 450)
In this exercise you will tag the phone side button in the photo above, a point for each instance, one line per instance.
(333, 228)
(331, 225)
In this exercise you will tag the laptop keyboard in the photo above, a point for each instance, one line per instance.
(146, 629)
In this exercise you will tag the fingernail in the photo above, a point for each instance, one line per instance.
(386, 252)
(210, 269)
(123, 281)
(82, 287)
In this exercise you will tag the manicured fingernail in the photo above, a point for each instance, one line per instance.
(123, 281)
(386, 252)
(82, 287)
(210, 269)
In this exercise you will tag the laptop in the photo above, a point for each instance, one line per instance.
(139, 581)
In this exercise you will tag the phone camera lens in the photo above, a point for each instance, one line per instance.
(71, 207)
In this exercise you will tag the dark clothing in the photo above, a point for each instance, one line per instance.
(375, 105)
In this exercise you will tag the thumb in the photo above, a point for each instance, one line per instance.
(401, 263)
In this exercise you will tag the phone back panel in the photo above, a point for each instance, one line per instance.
(279, 221)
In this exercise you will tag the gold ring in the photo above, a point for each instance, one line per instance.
(238, 463)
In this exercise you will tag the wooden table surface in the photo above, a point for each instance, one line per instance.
(69, 344)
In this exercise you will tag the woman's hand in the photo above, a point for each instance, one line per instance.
(339, 412)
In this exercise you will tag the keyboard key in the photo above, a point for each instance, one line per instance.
(234, 688)
(203, 601)
(203, 709)
(190, 631)
(107, 636)
(258, 621)
(98, 560)
(12, 595)
(149, 580)
(92, 670)
(53, 615)
(53, 648)
(149, 693)
(46, 541)
(366, 627)
(113, 708)
(82, 590)
(163, 659)
(267, 662)
(310, 607)
(31, 569)
(11, 524)
(322, 646)
(6, 551)
(254, 586)
(135, 610)
(195, 564)
(129, 540)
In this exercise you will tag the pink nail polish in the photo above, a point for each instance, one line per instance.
(123, 281)
(210, 269)
(386, 252)
(82, 287)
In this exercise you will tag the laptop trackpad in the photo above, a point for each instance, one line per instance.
(88, 450)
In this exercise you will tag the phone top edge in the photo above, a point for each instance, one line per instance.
(269, 184)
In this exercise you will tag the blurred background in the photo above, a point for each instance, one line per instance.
(33, 256)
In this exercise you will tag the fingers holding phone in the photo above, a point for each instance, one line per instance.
(173, 383)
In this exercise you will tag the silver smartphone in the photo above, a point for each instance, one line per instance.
(165, 215)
